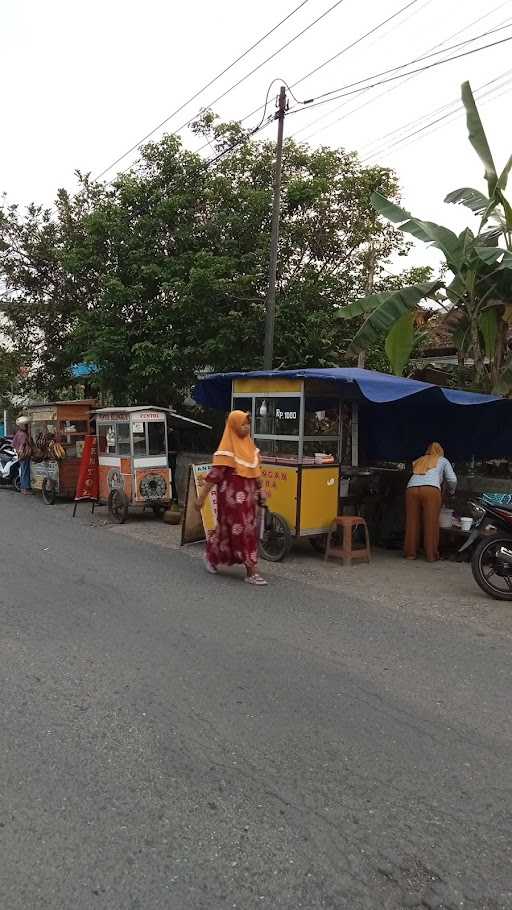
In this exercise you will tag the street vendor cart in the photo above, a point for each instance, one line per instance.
(305, 418)
(297, 425)
(133, 458)
(58, 431)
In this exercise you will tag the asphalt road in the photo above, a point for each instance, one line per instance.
(173, 741)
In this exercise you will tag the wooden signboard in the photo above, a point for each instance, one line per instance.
(195, 526)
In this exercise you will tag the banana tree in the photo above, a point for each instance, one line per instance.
(480, 289)
(480, 286)
(493, 207)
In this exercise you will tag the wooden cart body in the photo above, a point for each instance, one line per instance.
(70, 421)
(133, 456)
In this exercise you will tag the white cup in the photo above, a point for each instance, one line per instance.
(466, 523)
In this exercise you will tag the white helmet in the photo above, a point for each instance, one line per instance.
(22, 421)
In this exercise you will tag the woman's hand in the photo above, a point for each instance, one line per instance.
(203, 495)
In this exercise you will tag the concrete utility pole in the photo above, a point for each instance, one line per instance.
(361, 360)
(276, 208)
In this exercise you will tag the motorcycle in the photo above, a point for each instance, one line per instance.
(9, 464)
(490, 545)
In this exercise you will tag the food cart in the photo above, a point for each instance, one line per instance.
(347, 412)
(133, 458)
(298, 427)
(58, 430)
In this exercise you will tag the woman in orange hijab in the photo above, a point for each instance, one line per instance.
(236, 476)
(423, 501)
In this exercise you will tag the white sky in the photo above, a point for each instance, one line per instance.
(83, 81)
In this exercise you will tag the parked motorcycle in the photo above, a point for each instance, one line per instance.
(9, 464)
(490, 545)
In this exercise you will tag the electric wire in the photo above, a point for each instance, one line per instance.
(307, 128)
(231, 88)
(444, 119)
(358, 87)
(330, 59)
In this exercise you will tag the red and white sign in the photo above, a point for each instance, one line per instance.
(88, 479)
(147, 415)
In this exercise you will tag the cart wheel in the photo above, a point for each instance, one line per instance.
(48, 491)
(118, 506)
(158, 510)
(277, 539)
(319, 543)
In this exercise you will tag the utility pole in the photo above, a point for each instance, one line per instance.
(361, 360)
(270, 303)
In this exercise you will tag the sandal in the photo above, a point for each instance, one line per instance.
(256, 580)
(209, 568)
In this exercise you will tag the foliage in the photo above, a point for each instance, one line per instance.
(9, 373)
(480, 290)
(163, 273)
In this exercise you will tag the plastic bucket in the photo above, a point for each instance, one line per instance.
(446, 518)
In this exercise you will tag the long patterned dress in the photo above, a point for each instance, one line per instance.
(235, 539)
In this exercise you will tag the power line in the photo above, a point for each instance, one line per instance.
(387, 91)
(436, 125)
(239, 81)
(491, 94)
(324, 99)
(205, 165)
(380, 143)
(256, 68)
(339, 54)
(204, 88)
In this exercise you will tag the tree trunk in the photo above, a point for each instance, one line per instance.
(499, 354)
(476, 352)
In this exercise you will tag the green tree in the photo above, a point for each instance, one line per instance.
(163, 273)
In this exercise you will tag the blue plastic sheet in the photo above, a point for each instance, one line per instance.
(398, 417)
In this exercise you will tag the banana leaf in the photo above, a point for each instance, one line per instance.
(384, 310)
(471, 198)
(427, 231)
(491, 255)
(478, 138)
(456, 290)
(400, 342)
(503, 178)
(362, 305)
(507, 208)
(488, 325)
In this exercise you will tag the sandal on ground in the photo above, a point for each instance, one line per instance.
(209, 568)
(256, 580)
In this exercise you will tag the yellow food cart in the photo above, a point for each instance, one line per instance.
(297, 427)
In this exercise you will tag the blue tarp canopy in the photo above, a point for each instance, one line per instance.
(398, 417)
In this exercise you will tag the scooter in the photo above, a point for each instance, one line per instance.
(9, 464)
(490, 545)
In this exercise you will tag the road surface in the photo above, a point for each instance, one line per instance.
(173, 741)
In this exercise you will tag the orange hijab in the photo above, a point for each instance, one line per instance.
(236, 451)
(429, 460)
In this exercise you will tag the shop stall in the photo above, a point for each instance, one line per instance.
(331, 436)
(133, 458)
(58, 431)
